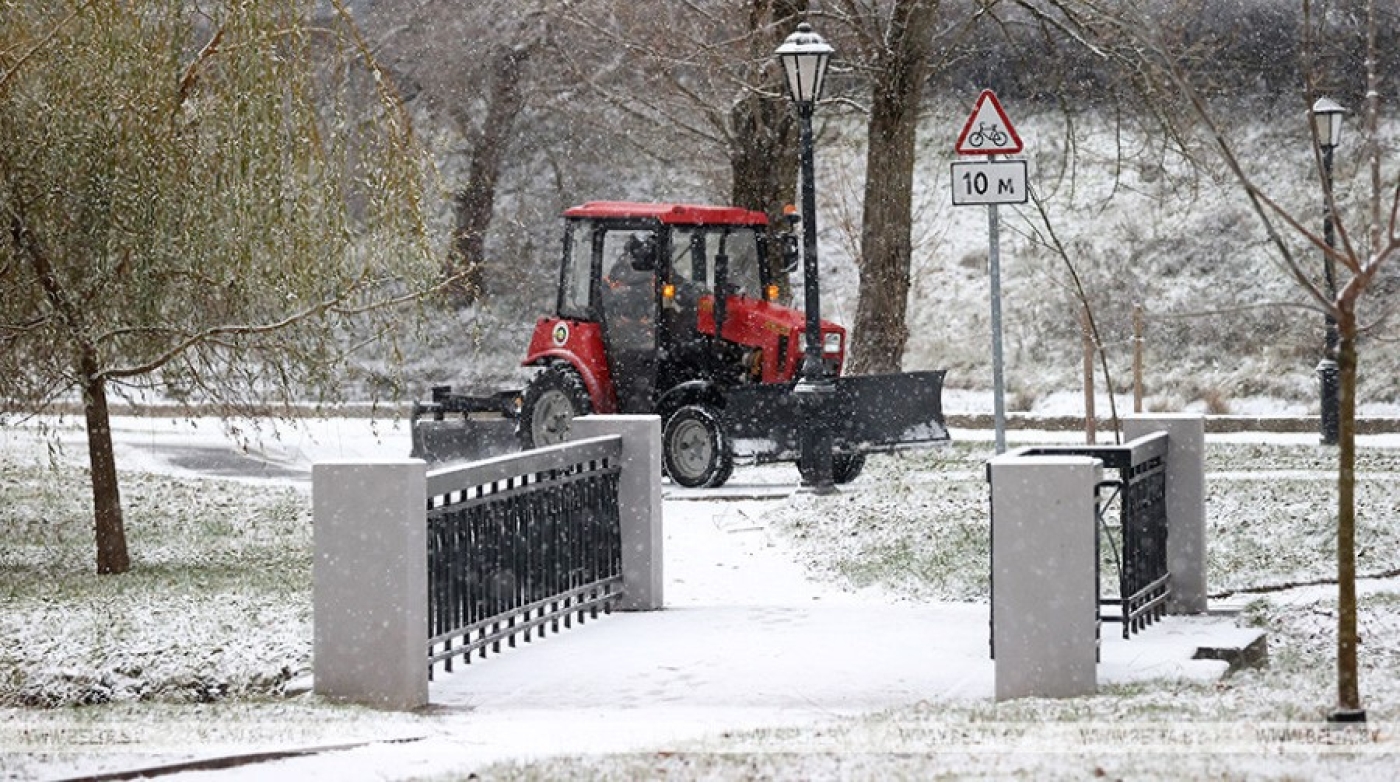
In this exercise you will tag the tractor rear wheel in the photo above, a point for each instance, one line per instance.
(552, 401)
(695, 449)
(845, 467)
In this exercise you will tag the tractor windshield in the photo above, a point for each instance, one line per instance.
(702, 255)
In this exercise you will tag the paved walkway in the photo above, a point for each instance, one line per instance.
(745, 642)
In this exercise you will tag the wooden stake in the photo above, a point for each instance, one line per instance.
(1137, 357)
(1090, 419)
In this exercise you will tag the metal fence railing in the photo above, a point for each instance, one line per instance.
(1138, 541)
(521, 545)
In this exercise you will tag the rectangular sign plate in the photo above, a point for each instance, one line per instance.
(989, 182)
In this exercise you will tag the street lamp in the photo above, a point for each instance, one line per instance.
(1326, 117)
(805, 57)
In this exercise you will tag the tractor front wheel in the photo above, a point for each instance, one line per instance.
(552, 401)
(695, 449)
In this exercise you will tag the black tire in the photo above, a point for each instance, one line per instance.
(552, 401)
(845, 467)
(695, 450)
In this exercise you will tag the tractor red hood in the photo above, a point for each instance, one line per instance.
(749, 313)
(771, 327)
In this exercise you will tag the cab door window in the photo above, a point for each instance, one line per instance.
(628, 298)
(574, 293)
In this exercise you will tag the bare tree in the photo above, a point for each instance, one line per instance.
(762, 132)
(895, 51)
(702, 75)
(1368, 239)
(471, 67)
(189, 201)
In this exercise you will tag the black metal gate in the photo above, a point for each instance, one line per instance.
(1140, 550)
(520, 545)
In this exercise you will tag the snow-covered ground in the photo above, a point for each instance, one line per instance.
(805, 637)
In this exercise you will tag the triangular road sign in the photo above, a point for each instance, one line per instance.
(988, 131)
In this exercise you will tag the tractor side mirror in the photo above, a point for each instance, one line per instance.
(790, 253)
(792, 218)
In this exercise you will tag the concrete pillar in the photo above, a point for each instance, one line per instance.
(1186, 503)
(370, 582)
(639, 503)
(1044, 575)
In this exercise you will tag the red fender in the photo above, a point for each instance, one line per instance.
(580, 344)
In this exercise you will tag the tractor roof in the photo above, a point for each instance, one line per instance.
(669, 214)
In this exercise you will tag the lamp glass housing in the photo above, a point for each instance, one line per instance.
(1327, 117)
(805, 56)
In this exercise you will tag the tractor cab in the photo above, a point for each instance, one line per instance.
(661, 302)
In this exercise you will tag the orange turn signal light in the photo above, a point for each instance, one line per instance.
(668, 291)
(771, 293)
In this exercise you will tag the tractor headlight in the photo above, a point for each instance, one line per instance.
(831, 342)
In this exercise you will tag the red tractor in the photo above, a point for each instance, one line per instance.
(672, 309)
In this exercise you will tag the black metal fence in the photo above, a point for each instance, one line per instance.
(521, 545)
(1138, 542)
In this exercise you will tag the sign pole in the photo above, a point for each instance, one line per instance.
(998, 381)
(987, 133)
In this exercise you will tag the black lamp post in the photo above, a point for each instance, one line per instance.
(1327, 119)
(805, 56)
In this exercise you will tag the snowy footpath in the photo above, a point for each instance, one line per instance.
(747, 640)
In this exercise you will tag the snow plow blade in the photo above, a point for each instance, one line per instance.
(864, 413)
(458, 428)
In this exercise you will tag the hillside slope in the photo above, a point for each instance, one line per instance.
(1225, 328)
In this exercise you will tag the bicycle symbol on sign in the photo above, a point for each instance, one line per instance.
(993, 136)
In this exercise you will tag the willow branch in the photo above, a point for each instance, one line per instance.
(37, 47)
(333, 305)
(191, 74)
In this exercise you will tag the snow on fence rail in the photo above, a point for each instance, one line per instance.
(380, 528)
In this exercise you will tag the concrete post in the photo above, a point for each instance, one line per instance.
(370, 582)
(1186, 503)
(639, 503)
(1044, 575)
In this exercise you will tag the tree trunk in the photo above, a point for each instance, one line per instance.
(763, 155)
(885, 245)
(473, 205)
(1348, 679)
(763, 132)
(110, 529)
(886, 227)
(764, 165)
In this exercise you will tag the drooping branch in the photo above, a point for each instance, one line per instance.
(384, 85)
(191, 75)
(333, 305)
(1083, 296)
(43, 42)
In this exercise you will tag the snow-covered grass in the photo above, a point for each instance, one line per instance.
(192, 651)
(919, 530)
(216, 606)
